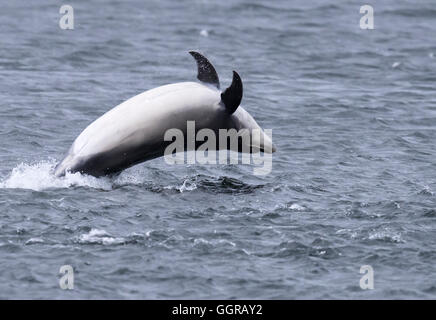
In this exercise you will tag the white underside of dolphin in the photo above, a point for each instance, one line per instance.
(133, 131)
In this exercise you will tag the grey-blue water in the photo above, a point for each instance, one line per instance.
(353, 114)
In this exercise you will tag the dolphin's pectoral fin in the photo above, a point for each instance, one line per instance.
(206, 71)
(232, 96)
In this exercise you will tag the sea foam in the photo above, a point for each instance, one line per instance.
(39, 176)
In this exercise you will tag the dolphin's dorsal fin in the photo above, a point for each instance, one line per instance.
(206, 71)
(232, 96)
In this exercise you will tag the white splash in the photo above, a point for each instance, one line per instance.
(296, 207)
(204, 33)
(385, 234)
(34, 241)
(97, 236)
(39, 176)
(396, 64)
(187, 186)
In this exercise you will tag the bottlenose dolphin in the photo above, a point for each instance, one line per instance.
(133, 131)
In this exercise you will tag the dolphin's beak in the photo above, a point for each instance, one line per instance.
(271, 149)
(262, 143)
(274, 149)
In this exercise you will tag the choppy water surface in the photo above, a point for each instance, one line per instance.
(353, 114)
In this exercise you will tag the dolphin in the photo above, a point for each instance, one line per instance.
(133, 131)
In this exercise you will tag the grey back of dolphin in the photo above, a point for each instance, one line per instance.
(133, 131)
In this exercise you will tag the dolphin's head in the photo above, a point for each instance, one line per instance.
(255, 137)
(258, 140)
(235, 117)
